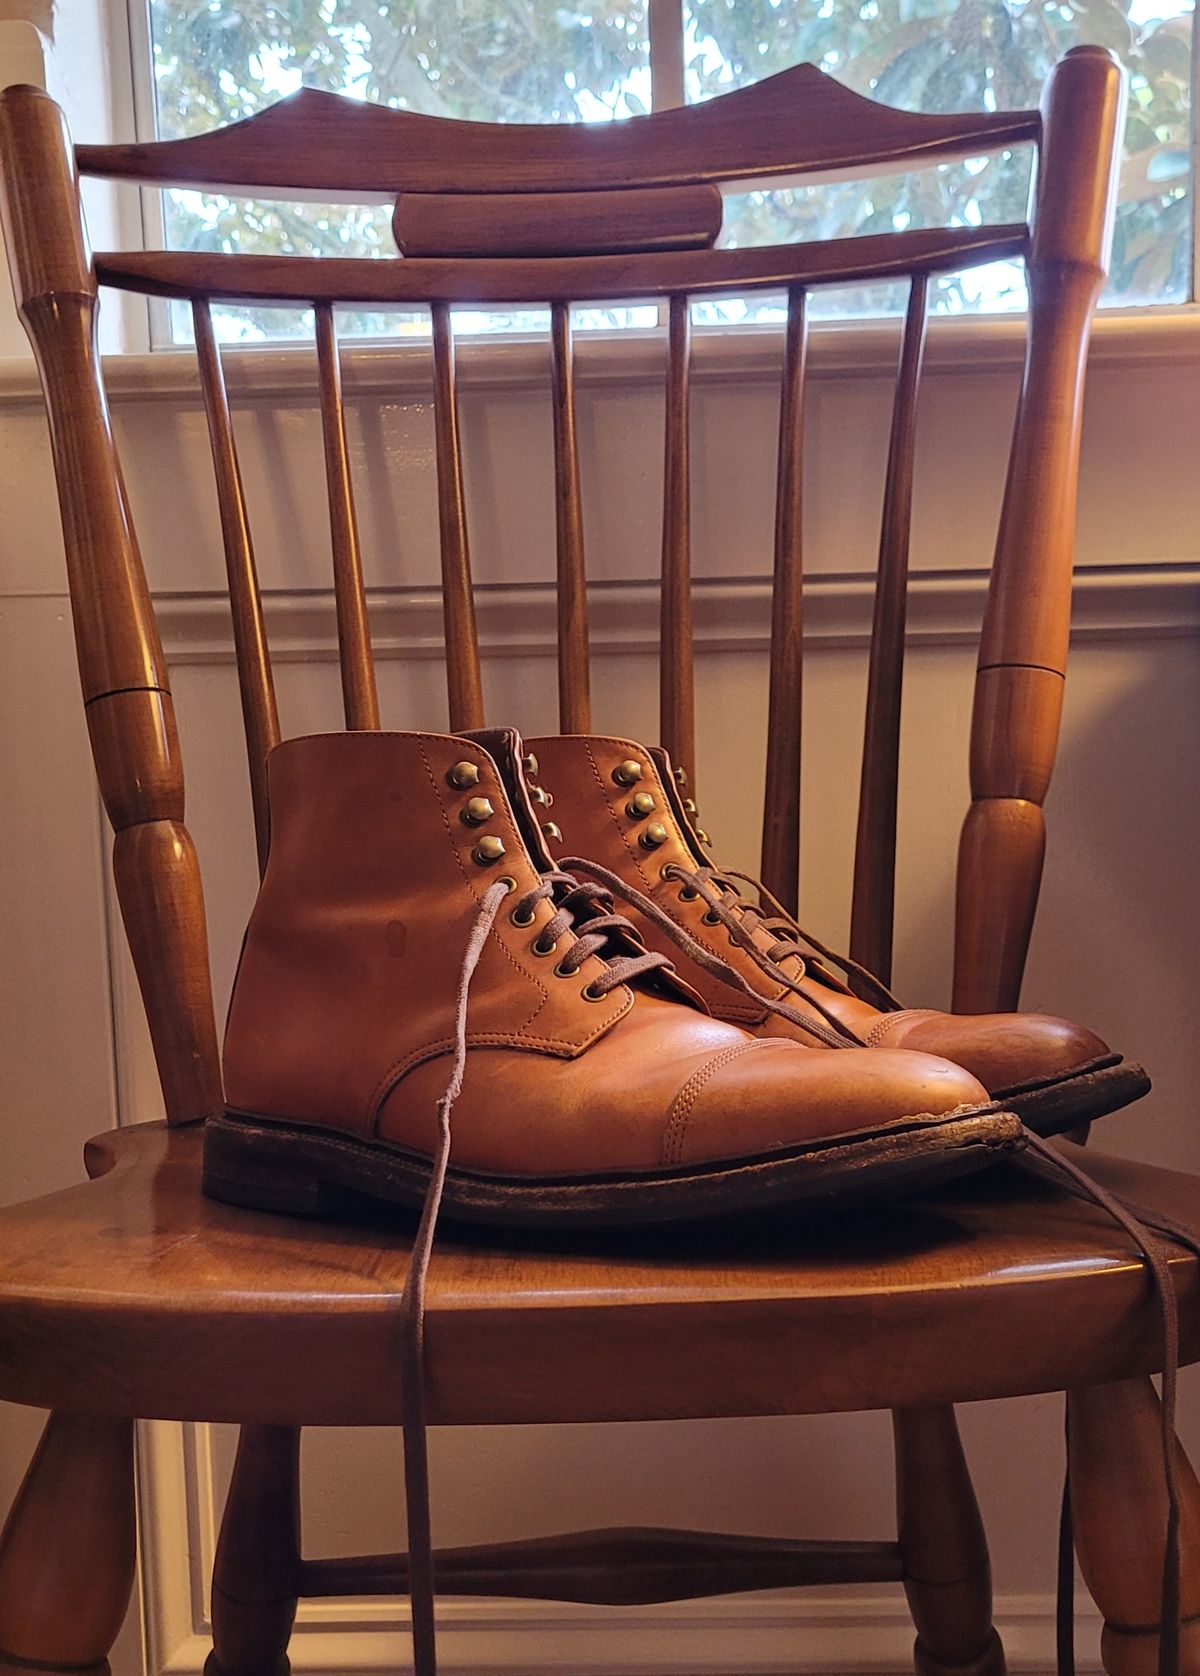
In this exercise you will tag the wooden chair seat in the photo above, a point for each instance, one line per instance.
(134, 1294)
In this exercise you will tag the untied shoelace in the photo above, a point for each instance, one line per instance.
(1040, 1158)
(619, 968)
(742, 918)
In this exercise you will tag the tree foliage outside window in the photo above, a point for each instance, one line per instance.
(216, 61)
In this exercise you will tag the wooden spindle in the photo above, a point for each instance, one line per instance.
(463, 678)
(781, 799)
(872, 919)
(677, 710)
(259, 714)
(574, 682)
(257, 1564)
(130, 715)
(947, 1575)
(1023, 647)
(69, 1548)
(1119, 1504)
(359, 698)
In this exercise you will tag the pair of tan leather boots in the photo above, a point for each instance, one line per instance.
(626, 1037)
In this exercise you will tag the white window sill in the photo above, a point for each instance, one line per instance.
(1146, 337)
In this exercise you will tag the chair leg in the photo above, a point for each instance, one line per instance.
(947, 1576)
(69, 1549)
(258, 1557)
(1119, 1507)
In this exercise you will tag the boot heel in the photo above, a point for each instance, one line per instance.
(255, 1166)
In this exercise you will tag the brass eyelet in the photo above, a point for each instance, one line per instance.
(507, 880)
(687, 894)
(711, 918)
(588, 994)
(477, 811)
(542, 949)
(523, 918)
(560, 971)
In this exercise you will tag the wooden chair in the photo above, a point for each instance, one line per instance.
(132, 1295)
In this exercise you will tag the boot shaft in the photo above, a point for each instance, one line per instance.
(382, 848)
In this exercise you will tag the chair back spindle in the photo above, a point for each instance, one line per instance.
(359, 698)
(873, 912)
(781, 793)
(574, 680)
(259, 713)
(677, 705)
(463, 677)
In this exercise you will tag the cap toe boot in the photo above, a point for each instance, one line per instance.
(619, 803)
(597, 1088)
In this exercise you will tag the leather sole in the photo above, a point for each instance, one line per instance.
(1055, 1104)
(299, 1170)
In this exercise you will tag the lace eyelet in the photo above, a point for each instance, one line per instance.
(543, 949)
(710, 918)
(588, 994)
(522, 919)
(509, 883)
(560, 971)
(687, 894)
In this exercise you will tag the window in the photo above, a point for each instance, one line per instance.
(567, 60)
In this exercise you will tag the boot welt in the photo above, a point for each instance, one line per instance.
(1055, 1104)
(300, 1170)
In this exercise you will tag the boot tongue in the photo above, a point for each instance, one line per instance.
(517, 770)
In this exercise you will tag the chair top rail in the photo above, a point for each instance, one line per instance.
(800, 121)
(540, 280)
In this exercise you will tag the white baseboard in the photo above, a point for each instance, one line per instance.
(763, 1636)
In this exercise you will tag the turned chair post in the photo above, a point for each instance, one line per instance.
(68, 1551)
(257, 1568)
(1023, 647)
(127, 696)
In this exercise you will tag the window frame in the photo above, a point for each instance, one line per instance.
(131, 37)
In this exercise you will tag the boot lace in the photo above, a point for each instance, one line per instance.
(584, 906)
(570, 895)
(1140, 1222)
(832, 1033)
(728, 905)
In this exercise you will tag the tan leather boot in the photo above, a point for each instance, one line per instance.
(618, 803)
(595, 1088)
